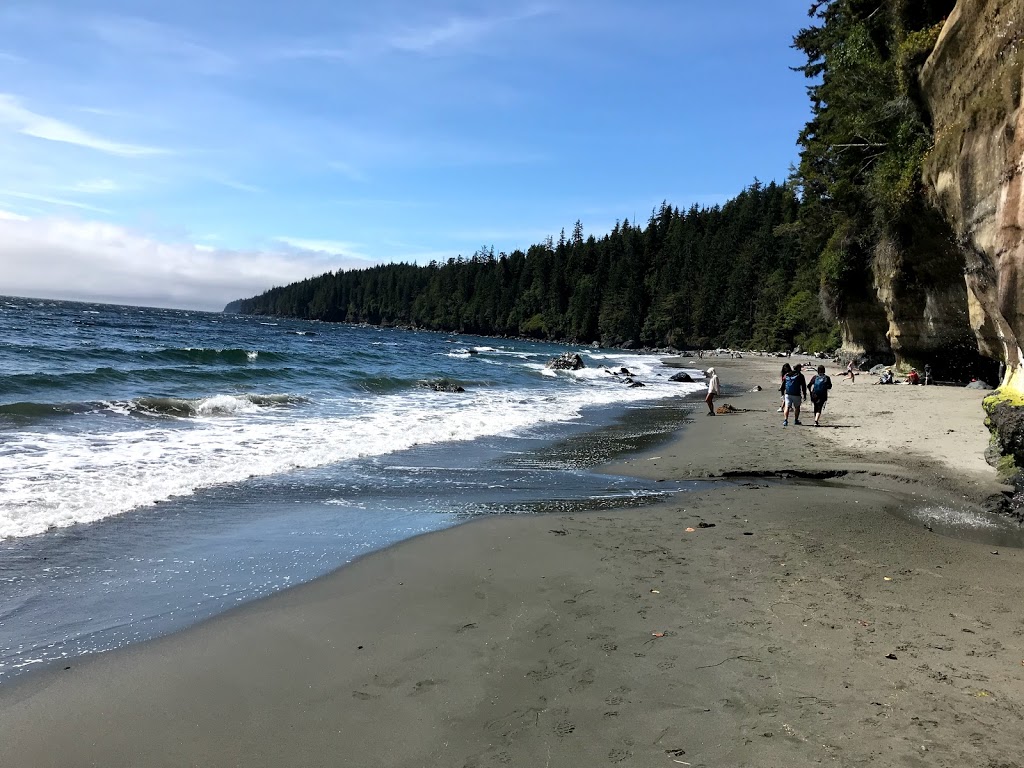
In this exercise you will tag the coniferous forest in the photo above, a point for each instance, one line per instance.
(730, 275)
(771, 269)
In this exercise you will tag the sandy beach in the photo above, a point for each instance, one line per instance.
(764, 621)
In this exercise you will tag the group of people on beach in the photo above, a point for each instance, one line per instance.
(793, 387)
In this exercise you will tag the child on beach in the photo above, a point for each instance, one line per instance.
(820, 385)
(713, 390)
(795, 387)
(850, 371)
(786, 368)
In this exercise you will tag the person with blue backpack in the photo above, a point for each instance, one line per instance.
(820, 385)
(795, 388)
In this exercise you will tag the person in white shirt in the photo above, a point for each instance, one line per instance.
(713, 390)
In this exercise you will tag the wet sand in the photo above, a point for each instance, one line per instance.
(810, 625)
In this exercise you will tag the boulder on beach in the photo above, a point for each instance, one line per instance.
(979, 384)
(683, 376)
(567, 361)
(876, 370)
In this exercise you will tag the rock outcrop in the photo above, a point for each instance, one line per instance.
(972, 85)
(974, 175)
(567, 361)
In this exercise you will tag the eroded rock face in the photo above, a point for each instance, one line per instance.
(972, 83)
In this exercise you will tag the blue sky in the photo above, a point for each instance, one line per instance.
(189, 153)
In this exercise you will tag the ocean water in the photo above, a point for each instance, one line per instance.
(161, 466)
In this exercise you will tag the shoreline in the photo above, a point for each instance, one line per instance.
(614, 637)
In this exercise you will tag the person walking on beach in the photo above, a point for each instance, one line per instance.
(850, 371)
(820, 385)
(786, 368)
(795, 387)
(713, 390)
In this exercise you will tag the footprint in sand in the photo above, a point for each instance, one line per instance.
(609, 647)
(541, 674)
(619, 755)
(423, 686)
(564, 728)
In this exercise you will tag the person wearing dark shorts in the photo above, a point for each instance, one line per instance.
(820, 385)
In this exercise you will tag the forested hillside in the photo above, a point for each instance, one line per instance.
(726, 275)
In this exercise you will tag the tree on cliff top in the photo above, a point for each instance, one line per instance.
(860, 166)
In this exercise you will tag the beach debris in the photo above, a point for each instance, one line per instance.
(864, 623)
(994, 552)
(891, 656)
(983, 694)
(559, 532)
(702, 524)
(724, 409)
(675, 752)
(887, 578)
(690, 530)
(748, 533)
(658, 634)
(756, 389)
(655, 592)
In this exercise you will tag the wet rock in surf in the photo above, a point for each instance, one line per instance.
(567, 361)
(683, 376)
(442, 385)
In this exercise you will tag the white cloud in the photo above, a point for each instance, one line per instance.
(30, 123)
(94, 261)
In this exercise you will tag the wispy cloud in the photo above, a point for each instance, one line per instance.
(95, 187)
(52, 200)
(333, 247)
(238, 185)
(452, 35)
(29, 123)
(142, 37)
(347, 170)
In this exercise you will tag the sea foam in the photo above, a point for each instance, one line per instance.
(56, 479)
